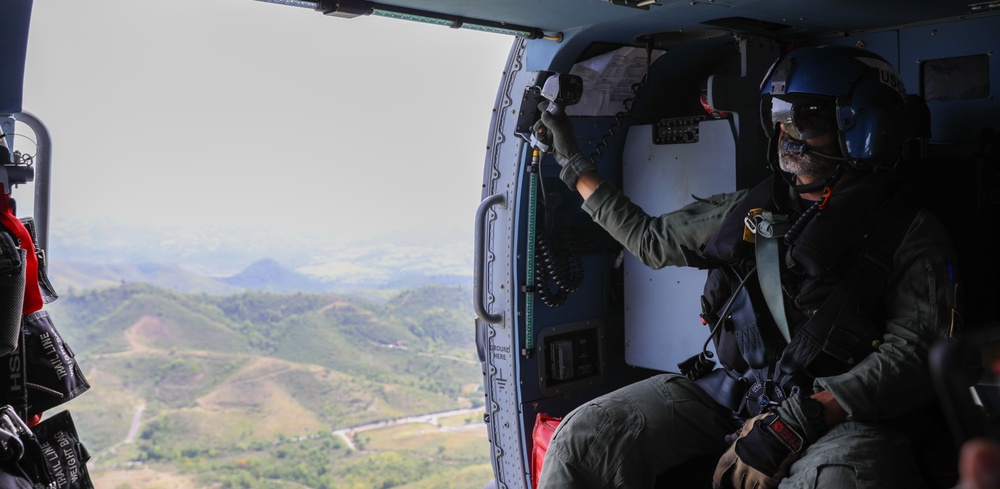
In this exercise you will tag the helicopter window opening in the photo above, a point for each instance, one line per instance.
(960, 78)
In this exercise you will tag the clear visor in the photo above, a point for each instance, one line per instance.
(803, 120)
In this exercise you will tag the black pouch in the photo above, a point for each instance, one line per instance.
(13, 391)
(22, 462)
(52, 375)
(48, 291)
(12, 270)
(65, 456)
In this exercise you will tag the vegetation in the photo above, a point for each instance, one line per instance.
(250, 390)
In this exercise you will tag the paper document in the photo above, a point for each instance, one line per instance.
(608, 79)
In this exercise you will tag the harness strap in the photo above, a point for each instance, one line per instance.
(748, 337)
(768, 229)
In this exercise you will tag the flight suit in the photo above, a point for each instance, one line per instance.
(628, 437)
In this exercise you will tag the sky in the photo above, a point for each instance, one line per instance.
(194, 114)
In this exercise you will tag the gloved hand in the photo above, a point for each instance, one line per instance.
(565, 148)
(759, 458)
(767, 445)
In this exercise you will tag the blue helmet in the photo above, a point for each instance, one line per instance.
(814, 89)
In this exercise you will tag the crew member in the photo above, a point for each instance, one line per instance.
(827, 285)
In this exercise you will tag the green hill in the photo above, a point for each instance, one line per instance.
(222, 377)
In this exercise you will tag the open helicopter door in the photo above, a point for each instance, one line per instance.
(39, 372)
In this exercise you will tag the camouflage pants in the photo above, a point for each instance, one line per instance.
(627, 438)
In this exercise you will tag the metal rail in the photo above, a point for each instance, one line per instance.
(43, 176)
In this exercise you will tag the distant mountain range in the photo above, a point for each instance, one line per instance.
(231, 260)
(266, 275)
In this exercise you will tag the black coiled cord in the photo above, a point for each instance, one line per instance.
(698, 366)
(796, 229)
(800, 224)
(627, 105)
(558, 271)
(620, 118)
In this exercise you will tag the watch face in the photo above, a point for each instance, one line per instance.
(813, 411)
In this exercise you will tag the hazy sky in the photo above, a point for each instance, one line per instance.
(199, 112)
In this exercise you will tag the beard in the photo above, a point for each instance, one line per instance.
(811, 163)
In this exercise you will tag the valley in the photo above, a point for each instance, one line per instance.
(225, 391)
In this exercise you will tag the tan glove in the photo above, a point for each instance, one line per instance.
(765, 447)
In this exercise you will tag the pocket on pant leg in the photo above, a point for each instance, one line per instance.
(598, 436)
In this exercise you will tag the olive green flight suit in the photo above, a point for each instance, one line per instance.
(626, 438)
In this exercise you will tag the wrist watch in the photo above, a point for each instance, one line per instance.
(815, 415)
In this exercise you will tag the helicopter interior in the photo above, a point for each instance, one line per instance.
(669, 113)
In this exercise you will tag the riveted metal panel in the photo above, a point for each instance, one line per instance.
(501, 176)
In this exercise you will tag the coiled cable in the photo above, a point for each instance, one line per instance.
(558, 271)
(627, 106)
(796, 229)
(620, 118)
(800, 224)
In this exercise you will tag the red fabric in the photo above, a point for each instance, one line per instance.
(32, 294)
(545, 425)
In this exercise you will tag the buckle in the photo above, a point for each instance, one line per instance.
(762, 398)
(750, 225)
(765, 224)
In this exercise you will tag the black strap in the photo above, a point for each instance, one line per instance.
(48, 291)
(748, 337)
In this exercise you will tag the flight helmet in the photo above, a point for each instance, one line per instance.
(858, 94)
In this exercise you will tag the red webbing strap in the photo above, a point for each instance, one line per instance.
(32, 294)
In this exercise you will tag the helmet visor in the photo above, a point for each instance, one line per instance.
(803, 120)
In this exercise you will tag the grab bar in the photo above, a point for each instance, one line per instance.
(479, 271)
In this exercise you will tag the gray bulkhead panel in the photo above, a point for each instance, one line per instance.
(662, 307)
